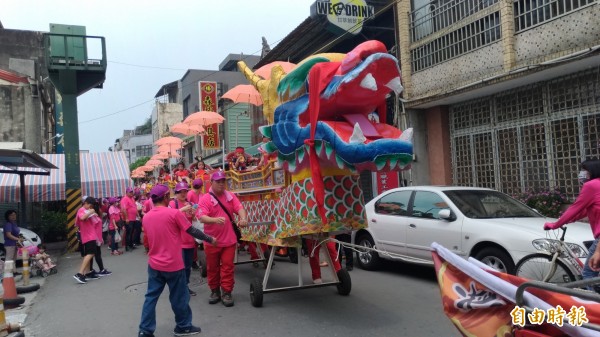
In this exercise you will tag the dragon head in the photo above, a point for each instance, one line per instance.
(351, 133)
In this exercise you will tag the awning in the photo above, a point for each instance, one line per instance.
(102, 175)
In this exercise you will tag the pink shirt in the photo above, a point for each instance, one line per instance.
(114, 215)
(587, 204)
(148, 205)
(209, 206)
(128, 204)
(87, 230)
(163, 227)
(194, 197)
(98, 227)
(187, 241)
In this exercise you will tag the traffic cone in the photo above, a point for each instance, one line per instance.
(11, 300)
(3, 326)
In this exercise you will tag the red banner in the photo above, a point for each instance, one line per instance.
(386, 181)
(208, 102)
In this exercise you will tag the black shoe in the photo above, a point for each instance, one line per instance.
(145, 334)
(80, 278)
(192, 293)
(215, 296)
(192, 330)
(349, 268)
(227, 299)
(195, 266)
(92, 275)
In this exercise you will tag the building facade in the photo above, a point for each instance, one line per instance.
(134, 145)
(26, 94)
(503, 94)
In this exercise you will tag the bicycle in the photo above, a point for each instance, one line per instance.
(559, 264)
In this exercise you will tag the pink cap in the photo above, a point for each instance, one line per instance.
(218, 175)
(197, 182)
(129, 190)
(159, 191)
(181, 186)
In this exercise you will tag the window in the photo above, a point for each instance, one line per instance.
(529, 13)
(457, 42)
(143, 151)
(395, 203)
(427, 205)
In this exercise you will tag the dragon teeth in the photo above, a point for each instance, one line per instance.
(407, 135)
(395, 85)
(358, 137)
(368, 82)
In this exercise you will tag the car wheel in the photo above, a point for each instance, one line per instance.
(497, 259)
(369, 260)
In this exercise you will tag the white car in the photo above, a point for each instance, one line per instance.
(31, 239)
(486, 224)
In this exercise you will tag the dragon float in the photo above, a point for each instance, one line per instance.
(327, 123)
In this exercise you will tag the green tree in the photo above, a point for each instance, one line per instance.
(139, 162)
(144, 129)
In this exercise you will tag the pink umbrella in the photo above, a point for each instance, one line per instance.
(168, 148)
(265, 71)
(159, 156)
(204, 118)
(169, 140)
(186, 129)
(244, 93)
(145, 168)
(154, 162)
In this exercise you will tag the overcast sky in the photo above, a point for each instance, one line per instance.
(150, 43)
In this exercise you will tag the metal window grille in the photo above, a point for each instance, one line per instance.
(458, 42)
(509, 162)
(484, 160)
(566, 153)
(539, 136)
(462, 161)
(529, 13)
(435, 15)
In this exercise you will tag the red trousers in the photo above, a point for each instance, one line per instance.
(252, 250)
(219, 267)
(314, 259)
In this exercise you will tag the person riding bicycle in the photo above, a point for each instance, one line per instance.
(587, 205)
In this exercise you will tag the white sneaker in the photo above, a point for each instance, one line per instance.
(318, 281)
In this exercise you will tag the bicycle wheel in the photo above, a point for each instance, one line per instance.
(538, 266)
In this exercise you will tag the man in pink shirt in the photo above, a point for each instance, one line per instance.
(587, 205)
(216, 209)
(87, 231)
(188, 244)
(164, 227)
(129, 211)
(193, 197)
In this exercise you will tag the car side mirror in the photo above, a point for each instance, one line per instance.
(446, 214)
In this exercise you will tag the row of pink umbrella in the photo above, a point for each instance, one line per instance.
(195, 123)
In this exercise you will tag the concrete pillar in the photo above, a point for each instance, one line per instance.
(507, 20)
(403, 10)
(438, 145)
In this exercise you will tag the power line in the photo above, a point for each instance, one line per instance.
(142, 66)
(192, 83)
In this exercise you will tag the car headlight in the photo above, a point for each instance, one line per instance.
(551, 246)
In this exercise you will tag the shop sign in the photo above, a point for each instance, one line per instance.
(343, 15)
(386, 181)
(208, 102)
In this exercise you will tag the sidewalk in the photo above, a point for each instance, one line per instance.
(19, 314)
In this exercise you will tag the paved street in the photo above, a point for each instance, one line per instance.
(399, 300)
